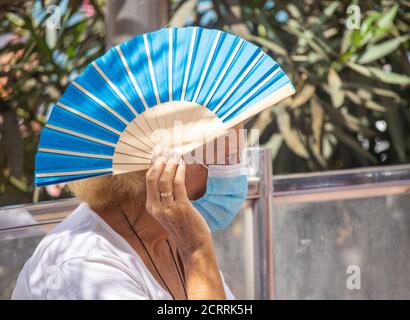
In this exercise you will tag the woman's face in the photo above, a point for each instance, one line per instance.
(197, 174)
(195, 180)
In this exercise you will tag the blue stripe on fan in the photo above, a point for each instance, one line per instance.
(91, 80)
(223, 52)
(134, 53)
(53, 180)
(76, 99)
(181, 42)
(159, 55)
(68, 120)
(204, 40)
(250, 78)
(111, 64)
(47, 162)
(269, 88)
(246, 55)
(263, 68)
(62, 141)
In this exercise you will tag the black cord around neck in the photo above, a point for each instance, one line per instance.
(150, 258)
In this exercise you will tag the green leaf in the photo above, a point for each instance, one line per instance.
(21, 184)
(306, 36)
(274, 143)
(346, 41)
(180, 16)
(15, 19)
(290, 135)
(51, 38)
(380, 50)
(327, 13)
(356, 38)
(294, 11)
(353, 144)
(270, 45)
(368, 22)
(318, 117)
(303, 96)
(387, 18)
(330, 9)
(375, 73)
(335, 88)
(374, 90)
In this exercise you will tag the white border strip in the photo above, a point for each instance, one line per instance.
(151, 68)
(100, 102)
(82, 115)
(113, 86)
(189, 62)
(225, 69)
(131, 76)
(80, 135)
(238, 82)
(208, 63)
(72, 173)
(74, 153)
(251, 93)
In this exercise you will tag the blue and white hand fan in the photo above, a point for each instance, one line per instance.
(172, 86)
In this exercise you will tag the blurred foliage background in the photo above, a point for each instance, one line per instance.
(349, 62)
(36, 63)
(351, 72)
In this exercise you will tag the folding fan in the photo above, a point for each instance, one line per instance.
(173, 86)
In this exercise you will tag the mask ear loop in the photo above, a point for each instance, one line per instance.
(202, 164)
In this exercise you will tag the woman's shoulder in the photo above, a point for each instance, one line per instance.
(73, 244)
(73, 237)
(81, 235)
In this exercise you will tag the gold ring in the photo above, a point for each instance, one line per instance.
(166, 194)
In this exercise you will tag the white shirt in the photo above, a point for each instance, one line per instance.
(84, 258)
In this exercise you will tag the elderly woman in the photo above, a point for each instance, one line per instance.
(140, 235)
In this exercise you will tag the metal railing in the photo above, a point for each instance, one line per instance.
(325, 225)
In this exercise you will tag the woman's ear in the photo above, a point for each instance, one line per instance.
(195, 181)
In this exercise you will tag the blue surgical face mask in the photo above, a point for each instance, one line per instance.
(226, 192)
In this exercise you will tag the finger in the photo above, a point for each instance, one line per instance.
(153, 175)
(156, 151)
(179, 182)
(166, 181)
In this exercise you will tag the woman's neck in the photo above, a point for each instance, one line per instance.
(147, 227)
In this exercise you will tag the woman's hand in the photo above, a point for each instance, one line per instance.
(167, 201)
